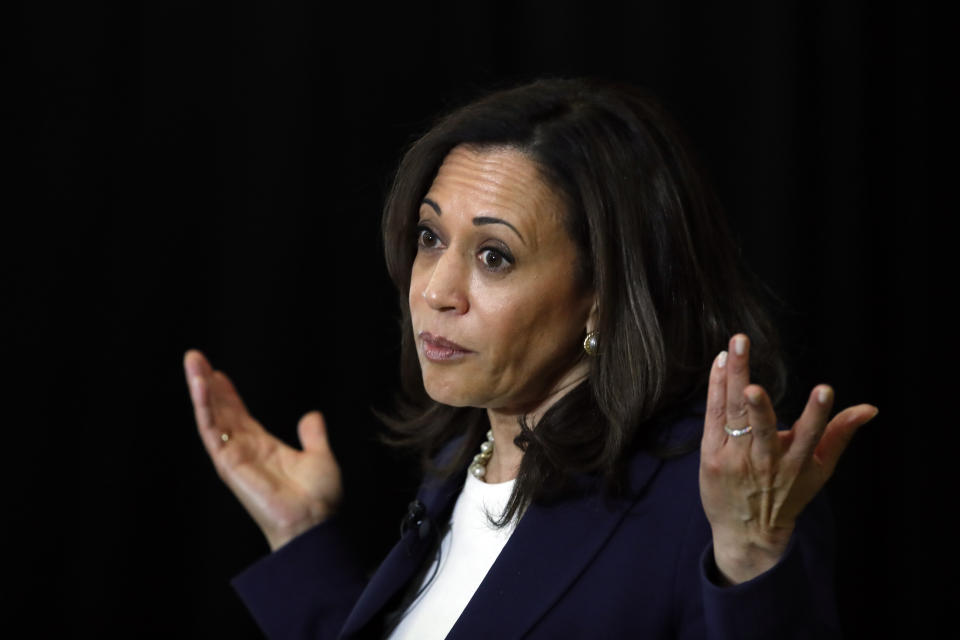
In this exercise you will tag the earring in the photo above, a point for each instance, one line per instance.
(591, 344)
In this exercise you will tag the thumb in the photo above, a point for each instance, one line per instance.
(312, 430)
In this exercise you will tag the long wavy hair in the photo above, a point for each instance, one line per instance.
(654, 247)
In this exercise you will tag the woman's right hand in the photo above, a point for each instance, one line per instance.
(286, 491)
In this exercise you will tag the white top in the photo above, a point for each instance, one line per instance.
(467, 552)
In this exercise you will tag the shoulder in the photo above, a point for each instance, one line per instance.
(662, 513)
(669, 469)
(642, 568)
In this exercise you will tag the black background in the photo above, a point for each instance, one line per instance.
(193, 175)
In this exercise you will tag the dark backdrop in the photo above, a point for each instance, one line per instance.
(190, 175)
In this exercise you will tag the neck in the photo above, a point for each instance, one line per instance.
(505, 462)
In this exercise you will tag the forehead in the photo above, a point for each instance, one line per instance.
(498, 181)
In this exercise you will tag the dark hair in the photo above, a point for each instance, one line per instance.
(654, 248)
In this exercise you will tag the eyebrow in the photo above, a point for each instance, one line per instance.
(433, 204)
(479, 220)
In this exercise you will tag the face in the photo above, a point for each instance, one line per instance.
(498, 316)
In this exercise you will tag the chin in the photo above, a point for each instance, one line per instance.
(448, 392)
(449, 397)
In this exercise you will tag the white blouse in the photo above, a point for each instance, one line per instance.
(467, 552)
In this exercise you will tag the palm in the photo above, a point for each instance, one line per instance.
(285, 490)
(754, 486)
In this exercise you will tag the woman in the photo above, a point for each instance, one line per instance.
(568, 293)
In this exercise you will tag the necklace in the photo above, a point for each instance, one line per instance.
(478, 468)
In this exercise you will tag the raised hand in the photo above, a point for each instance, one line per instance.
(286, 491)
(754, 479)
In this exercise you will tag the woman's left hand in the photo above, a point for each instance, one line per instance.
(754, 486)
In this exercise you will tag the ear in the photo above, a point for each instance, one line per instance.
(594, 316)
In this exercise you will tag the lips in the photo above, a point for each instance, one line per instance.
(438, 348)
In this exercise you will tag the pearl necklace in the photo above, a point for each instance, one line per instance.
(478, 468)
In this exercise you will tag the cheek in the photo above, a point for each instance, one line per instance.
(548, 331)
(515, 331)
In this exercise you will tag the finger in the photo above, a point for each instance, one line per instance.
(225, 398)
(839, 432)
(763, 419)
(230, 415)
(312, 430)
(217, 407)
(716, 416)
(810, 426)
(197, 369)
(209, 434)
(738, 377)
(195, 364)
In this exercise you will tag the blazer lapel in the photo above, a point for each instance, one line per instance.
(550, 548)
(407, 556)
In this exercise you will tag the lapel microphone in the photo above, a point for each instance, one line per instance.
(415, 518)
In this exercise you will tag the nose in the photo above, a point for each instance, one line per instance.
(447, 284)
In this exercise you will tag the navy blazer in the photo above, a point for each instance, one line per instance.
(638, 566)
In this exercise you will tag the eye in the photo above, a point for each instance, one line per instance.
(495, 260)
(426, 238)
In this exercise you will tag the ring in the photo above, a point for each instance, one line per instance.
(736, 433)
(225, 436)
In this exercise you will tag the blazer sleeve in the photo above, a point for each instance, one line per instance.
(306, 588)
(795, 599)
